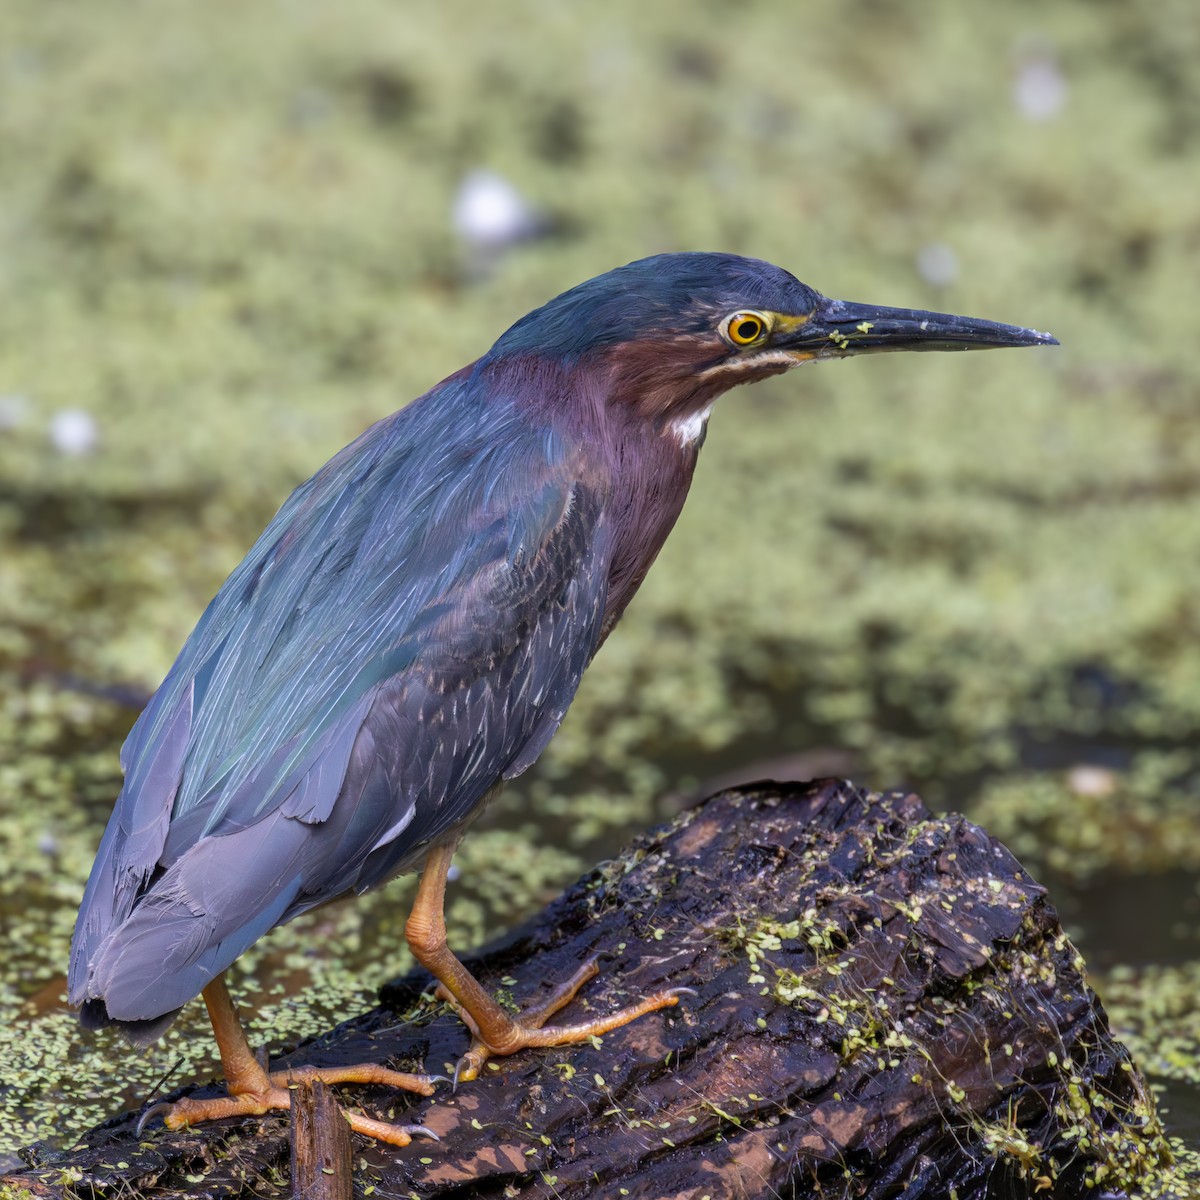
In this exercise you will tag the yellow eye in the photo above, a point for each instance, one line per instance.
(744, 328)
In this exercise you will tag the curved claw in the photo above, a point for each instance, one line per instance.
(155, 1110)
(467, 1067)
(420, 1131)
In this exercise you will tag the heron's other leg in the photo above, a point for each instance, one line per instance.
(244, 1074)
(494, 1031)
(253, 1091)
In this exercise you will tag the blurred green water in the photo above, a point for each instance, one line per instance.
(226, 235)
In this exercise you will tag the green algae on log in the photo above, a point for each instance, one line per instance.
(884, 1000)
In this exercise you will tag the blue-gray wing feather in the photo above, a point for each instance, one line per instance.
(408, 631)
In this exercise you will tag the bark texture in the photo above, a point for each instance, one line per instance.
(884, 1002)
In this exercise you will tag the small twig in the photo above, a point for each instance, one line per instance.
(321, 1163)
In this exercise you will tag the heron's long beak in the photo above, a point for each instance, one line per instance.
(838, 328)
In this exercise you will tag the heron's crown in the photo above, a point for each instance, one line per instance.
(663, 295)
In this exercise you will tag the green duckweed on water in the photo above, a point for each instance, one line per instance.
(229, 243)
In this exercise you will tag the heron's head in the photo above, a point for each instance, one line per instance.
(668, 334)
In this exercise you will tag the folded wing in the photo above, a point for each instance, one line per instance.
(407, 632)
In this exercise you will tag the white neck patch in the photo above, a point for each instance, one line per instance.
(687, 431)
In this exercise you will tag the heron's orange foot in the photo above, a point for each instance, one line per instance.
(423, 1085)
(275, 1093)
(528, 1029)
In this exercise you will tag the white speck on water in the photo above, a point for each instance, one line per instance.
(489, 212)
(937, 264)
(1086, 779)
(74, 432)
(1039, 88)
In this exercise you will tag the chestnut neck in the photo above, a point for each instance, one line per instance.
(614, 416)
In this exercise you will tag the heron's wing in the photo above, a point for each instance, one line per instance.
(408, 631)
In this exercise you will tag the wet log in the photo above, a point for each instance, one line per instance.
(884, 1002)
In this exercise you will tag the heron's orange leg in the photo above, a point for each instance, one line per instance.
(494, 1031)
(253, 1091)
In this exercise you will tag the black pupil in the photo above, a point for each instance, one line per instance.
(747, 330)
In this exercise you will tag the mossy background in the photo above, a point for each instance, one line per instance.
(225, 234)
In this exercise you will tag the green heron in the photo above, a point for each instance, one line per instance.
(407, 634)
